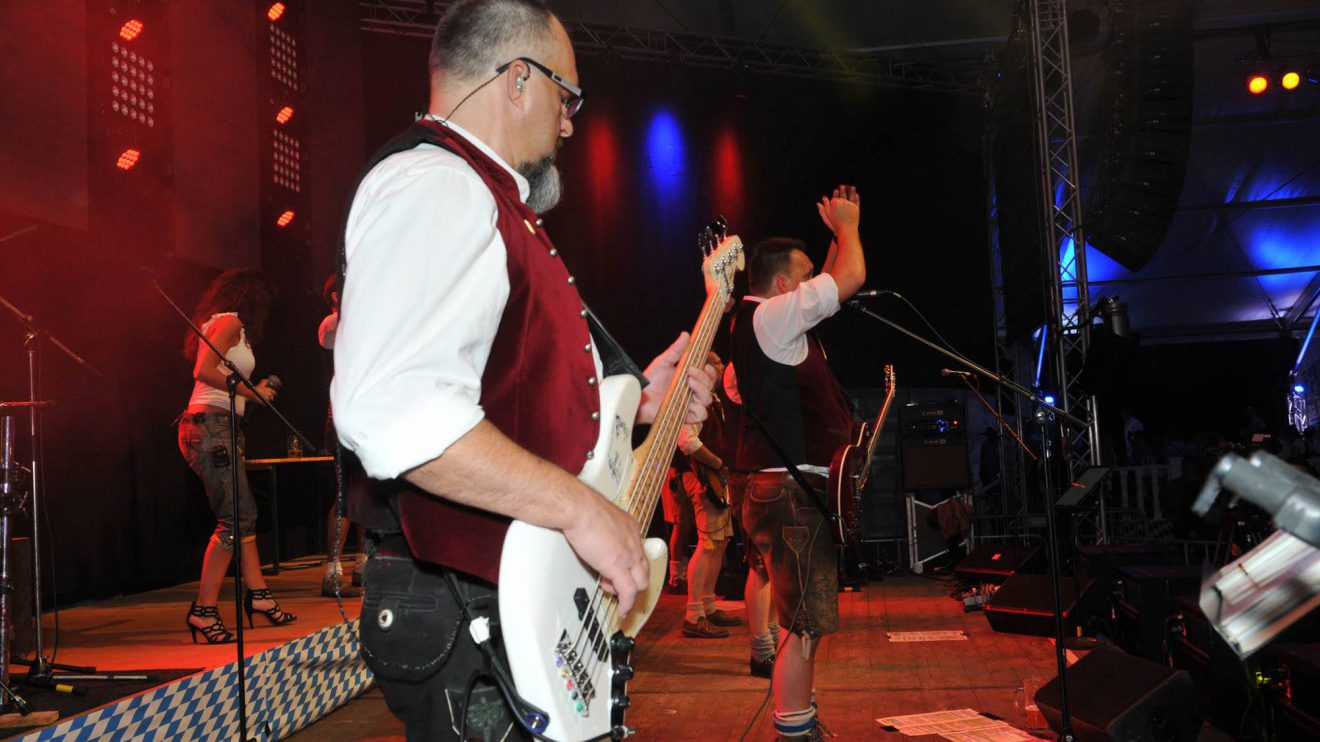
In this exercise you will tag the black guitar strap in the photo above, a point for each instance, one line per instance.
(613, 357)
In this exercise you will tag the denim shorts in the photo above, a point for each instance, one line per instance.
(204, 441)
(793, 537)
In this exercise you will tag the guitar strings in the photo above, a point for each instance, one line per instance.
(679, 395)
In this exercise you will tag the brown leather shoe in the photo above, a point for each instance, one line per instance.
(723, 618)
(703, 629)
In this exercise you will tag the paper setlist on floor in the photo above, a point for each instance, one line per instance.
(962, 725)
(927, 636)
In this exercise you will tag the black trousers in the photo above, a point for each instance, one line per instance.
(416, 642)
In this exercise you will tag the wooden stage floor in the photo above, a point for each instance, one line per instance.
(146, 631)
(700, 689)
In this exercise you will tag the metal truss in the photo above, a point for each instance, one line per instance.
(1010, 361)
(417, 18)
(1062, 236)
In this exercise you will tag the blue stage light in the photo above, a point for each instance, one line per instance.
(1049, 399)
(1299, 389)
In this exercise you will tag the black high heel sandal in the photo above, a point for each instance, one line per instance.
(276, 616)
(214, 632)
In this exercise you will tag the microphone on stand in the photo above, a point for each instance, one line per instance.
(273, 382)
(871, 294)
(951, 372)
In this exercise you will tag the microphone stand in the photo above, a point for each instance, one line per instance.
(1045, 413)
(40, 671)
(232, 382)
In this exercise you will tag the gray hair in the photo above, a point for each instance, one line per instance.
(474, 37)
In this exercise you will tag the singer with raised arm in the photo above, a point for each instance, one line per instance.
(233, 314)
(786, 384)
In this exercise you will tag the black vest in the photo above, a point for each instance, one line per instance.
(803, 406)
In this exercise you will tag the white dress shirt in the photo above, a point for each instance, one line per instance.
(424, 292)
(781, 325)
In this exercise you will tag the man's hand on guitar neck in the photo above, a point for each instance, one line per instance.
(700, 380)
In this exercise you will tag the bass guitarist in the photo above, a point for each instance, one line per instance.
(466, 375)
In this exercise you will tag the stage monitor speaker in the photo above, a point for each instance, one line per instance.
(1114, 696)
(996, 563)
(933, 444)
(1024, 604)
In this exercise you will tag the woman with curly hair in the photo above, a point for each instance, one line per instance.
(233, 314)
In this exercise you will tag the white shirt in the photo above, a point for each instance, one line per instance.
(325, 334)
(424, 292)
(781, 324)
(689, 438)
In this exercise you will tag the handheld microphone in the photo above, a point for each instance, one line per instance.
(273, 382)
(951, 372)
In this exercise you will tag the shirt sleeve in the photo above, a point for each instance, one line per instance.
(781, 323)
(325, 334)
(425, 288)
(689, 438)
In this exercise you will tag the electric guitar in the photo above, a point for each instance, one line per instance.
(850, 469)
(568, 647)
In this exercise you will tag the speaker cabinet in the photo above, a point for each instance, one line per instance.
(995, 563)
(1114, 696)
(1024, 604)
(933, 445)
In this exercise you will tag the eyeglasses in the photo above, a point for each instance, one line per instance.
(575, 94)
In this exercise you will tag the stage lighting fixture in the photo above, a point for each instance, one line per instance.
(1274, 585)
(1258, 84)
(1049, 399)
(130, 30)
(275, 12)
(128, 159)
(1299, 389)
(284, 115)
(1290, 80)
(285, 219)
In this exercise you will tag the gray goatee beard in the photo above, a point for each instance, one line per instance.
(544, 185)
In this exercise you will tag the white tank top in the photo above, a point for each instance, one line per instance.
(240, 355)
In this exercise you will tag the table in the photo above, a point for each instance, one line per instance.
(273, 466)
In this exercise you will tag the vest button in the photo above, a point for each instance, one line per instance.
(591, 454)
(583, 314)
(553, 252)
(595, 416)
(591, 381)
(587, 347)
(571, 280)
(539, 221)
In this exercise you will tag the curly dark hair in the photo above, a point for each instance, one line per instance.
(242, 290)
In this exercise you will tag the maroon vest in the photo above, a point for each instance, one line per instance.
(803, 406)
(535, 385)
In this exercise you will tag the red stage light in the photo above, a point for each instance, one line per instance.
(285, 218)
(284, 115)
(995, 558)
(128, 159)
(1258, 84)
(276, 12)
(130, 30)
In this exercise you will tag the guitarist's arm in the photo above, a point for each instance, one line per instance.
(485, 469)
(845, 261)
